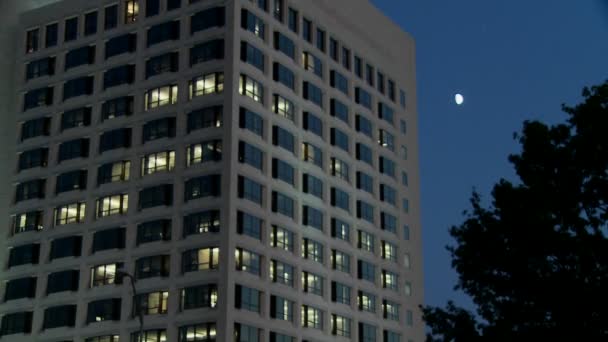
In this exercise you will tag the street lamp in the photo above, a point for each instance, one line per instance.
(119, 278)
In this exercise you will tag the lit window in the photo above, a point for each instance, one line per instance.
(131, 11)
(204, 152)
(207, 84)
(312, 317)
(200, 259)
(70, 213)
(153, 303)
(157, 162)
(112, 205)
(161, 96)
(251, 88)
(104, 274)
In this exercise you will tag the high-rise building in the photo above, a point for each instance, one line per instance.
(249, 166)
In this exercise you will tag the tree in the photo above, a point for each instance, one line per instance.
(535, 260)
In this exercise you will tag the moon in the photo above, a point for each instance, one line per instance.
(459, 99)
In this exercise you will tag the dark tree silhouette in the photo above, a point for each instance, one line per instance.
(535, 261)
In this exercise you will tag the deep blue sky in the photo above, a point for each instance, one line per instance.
(512, 60)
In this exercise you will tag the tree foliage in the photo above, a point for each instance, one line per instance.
(535, 261)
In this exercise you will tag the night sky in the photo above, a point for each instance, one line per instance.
(512, 61)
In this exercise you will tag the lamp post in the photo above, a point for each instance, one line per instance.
(120, 275)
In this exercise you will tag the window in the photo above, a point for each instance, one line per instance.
(333, 49)
(160, 195)
(340, 199)
(366, 301)
(20, 288)
(339, 110)
(312, 250)
(391, 90)
(388, 222)
(127, 43)
(33, 158)
(312, 185)
(51, 35)
(73, 180)
(158, 65)
(206, 19)
(110, 17)
(79, 117)
(152, 7)
(202, 332)
(313, 93)
(78, 148)
(207, 51)
(312, 63)
(70, 246)
(90, 23)
(339, 81)
(71, 29)
(283, 204)
(281, 308)
(340, 326)
(16, 323)
(114, 172)
(312, 154)
(390, 280)
(404, 152)
(284, 44)
(197, 297)
(59, 316)
(251, 155)
(124, 74)
(171, 5)
(78, 87)
(105, 338)
(282, 273)
(340, 261)
(387, 166)
(390, 336)
(205, 118)
(104, 274)
(364, 153)
(112, 205)
(278, 10)
(340, 229)
(40, 67)
(206, 84)
(284, 75)
(251, 88)
(246, 333)
(252, 55)
(203, 186)
(283, 107)
(409, 318)
(406, 232)
(163, 32)
(247, 298)
(292, 20)
(365, 211)
(358, 67)
(247, 261)
(115, 139)
(402, 98)
(38, 98)
(62, 281)
(312, 317)
(340, 169)
(365, 182)
(109, 239)
(366, 271)
(282, 238)
(313, 124)
(390, 310)
(320, 40)
(366, 241)
(340, 293)
(161, 96)
(369, 74)
(363, 98)
(117, 107)
(386, 139)
(250, 190)
(151, 231)
(200, 259)
(153, 303)
(204, 152)
(312, 217)
(33, 189)
(249, 225)
(69, 213)
(367, 332)
(276, 337)
(156, 335)
(158, 129)
(103, 310)
(27, 222)
(388, 194)
(251, 121)
(380, 85)
(250, 22)
(283, 138)
(386, 113)
(283, 171)
(346, 58)
(363, 125)
(339, 139)
(307, 30)
(152, 266)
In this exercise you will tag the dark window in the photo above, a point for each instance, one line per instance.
(124, 74)
(70, 246)
(201, 296)
(363, 98)
(284, 44)
(204, 186)
(388, 222)
(212, 17)
(313, 124)
(363, 125)
(110, 19)
(292, 20)
(80, 56)
(27, 222)
(157, 230)
(78, 87)
(307, 30)
(207, 51)
(312, 217)
(247, 298)
(161, 195)
(71, 29)
(109, 239)
(27, 254)
(284, 75)
(249, 225)
(201, 223)
(63, 281)
(152, 266)
(250, 190)
(103, 310)
(51, 35)
(333, 49)
(388, 194)
(358, 67)
(121, 44)
(78, 117)
(339, 81)
(168, 62)
(59, 316)
(158, 129)
(338, 110)
(20, 288)
(369, 74)
(33, 158)
(346, 58)
(152, 7)
(16, 323)
(365, 211)
(40, 67)
(386, 166)
(173, 4)
(339, 139)
(278, 10)
(69, 181)
(251, 155)
(90, 23)
(251, 121)
(113, 172)
(121, 106)
(283, 204)
(205, 118)
(252, 23)
(380, 77)
(313, 93)
(35, 128)
(340, 199)
(321, 39)
(386, 113)
(283, 138)
(365, 182)
(37, 98)
(283, 171)
(118, 138)
(252, 55)
(312, 185)
(32, 189)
